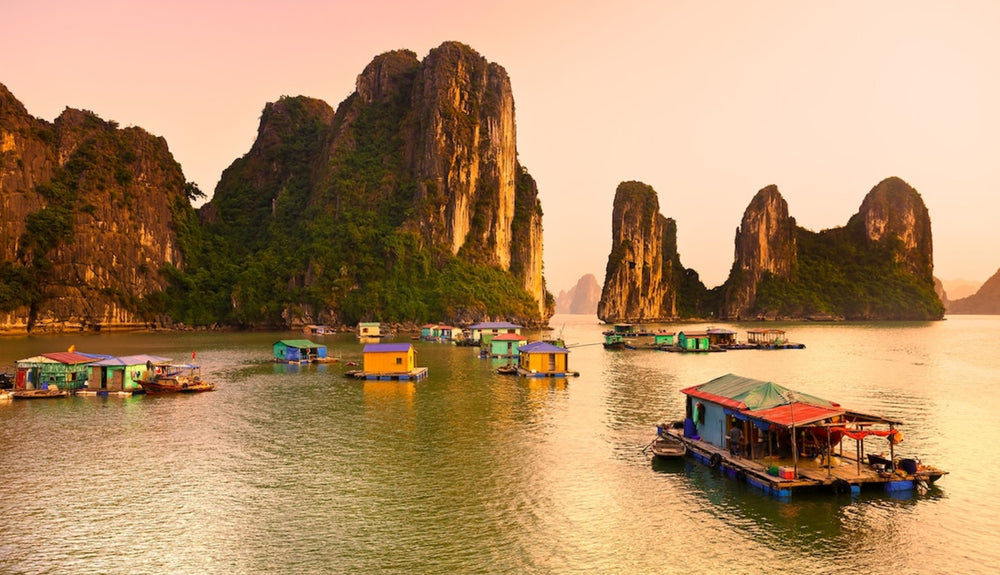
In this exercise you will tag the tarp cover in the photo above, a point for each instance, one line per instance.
(751, 394)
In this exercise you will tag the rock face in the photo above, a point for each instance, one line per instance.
(461, 150)
(765, 244)
(426, 148)
(582, 298)
(88, 216)
(984, 301)
(894, 211)
(877, 267)
(641, 277)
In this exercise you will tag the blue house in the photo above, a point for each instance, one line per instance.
(298, 351)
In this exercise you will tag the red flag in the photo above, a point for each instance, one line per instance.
(192, 356)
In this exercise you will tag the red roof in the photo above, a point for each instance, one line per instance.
(70, 357)
(804, 414)
(725, 401)
(510, 337)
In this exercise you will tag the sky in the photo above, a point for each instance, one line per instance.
(707, 102)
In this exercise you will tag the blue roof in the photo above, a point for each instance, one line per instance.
(542, 347)
(386, 347)
(494, 325)
(131, 360)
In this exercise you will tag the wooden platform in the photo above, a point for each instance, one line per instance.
(527, 373)
(846, 478)
(416, 374)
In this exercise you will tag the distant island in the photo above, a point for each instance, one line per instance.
(985, 301)
(582, 298)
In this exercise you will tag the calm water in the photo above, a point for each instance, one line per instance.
(300, 470)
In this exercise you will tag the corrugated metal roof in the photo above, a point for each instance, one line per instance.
(803, 414)
(70, 357)
(494, 325)
(131, 360)
(386, 347)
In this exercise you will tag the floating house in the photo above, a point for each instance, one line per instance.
(67, 370)
(762, 338)
(541, 359)
(390, 361)
(485, 331)
(694, 341)
(121, 373)
(665, 339)
(506, 345)
(314, 329)
(369, 330)
(786, 440)
(298, 351)
(721, 337)
(427, 331)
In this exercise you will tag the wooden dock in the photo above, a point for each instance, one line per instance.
(417, 374)
(847, 477)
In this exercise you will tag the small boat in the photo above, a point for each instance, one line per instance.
(176, 378)
(666, 445)
(49, 393)
(508, 369)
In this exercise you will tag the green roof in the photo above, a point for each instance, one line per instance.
(298, 343)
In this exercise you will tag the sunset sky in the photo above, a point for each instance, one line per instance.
(707, 102)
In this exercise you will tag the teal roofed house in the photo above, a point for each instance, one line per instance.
(664, 339)
(694, 341)
(298, 351)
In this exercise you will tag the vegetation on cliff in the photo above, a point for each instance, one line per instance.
(837, 277)
(320, 221)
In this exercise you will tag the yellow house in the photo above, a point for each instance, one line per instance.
(542, 359)
(391, 361)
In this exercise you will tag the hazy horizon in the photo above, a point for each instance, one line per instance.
(706, 103)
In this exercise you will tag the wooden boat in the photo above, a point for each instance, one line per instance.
(508, 369)
(49, 393)
(668, 446)
(175, 378)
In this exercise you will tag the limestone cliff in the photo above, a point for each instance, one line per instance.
(88, 217)
(641, 281)
(765, 244)
(415, 169)
(893, 212)
(879, 266)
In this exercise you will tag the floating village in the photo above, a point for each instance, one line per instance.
(758, 432)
